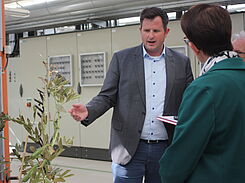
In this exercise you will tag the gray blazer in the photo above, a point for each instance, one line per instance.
(124, 90)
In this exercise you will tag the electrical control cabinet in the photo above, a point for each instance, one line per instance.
(92, 69)
(62, 65)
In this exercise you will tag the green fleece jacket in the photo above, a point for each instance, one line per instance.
(209, 140)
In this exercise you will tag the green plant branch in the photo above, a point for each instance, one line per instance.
(23, 158)
(37, 166)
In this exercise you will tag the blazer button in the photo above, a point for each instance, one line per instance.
(143, 113)
(139, 131)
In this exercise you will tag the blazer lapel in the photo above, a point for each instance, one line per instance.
(170, 75)
(140, 72)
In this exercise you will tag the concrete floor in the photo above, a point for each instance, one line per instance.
(85, 171)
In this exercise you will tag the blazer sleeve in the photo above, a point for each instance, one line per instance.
(107, 97)
(189, 74)
(192, 133)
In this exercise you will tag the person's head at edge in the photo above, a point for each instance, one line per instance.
(239, 44)
(208, 28)
(153, 29)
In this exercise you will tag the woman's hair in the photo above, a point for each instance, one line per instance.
(153, 12)
(208, 27)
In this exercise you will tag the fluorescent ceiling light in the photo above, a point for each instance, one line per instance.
(17, 12)
(26, 3)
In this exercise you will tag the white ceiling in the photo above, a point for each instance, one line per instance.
(61, 12)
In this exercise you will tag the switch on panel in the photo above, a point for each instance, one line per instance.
(28, 102)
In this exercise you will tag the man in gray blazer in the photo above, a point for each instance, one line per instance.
(142, 83)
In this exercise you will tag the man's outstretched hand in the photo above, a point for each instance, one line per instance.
(79, 112)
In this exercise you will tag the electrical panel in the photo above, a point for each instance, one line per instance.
(92, 69)
(62, 65)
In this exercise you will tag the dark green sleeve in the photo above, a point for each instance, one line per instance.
(192, 133)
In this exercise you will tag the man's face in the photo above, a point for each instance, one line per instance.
(153, 35)
(239, 46)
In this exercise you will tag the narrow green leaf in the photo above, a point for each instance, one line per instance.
(69, 175)
(65, 172)
(59, 180)
(30, 172)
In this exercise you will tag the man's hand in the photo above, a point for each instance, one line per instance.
(78, 111)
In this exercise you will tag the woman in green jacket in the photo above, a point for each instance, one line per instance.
(209, 140)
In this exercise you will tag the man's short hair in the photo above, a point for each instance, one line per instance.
(152, 12)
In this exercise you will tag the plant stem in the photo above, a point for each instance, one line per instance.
(22, 161)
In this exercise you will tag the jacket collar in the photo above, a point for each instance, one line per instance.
(229, 64)
(139, 71)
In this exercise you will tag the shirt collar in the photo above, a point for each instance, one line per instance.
(146, 55)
